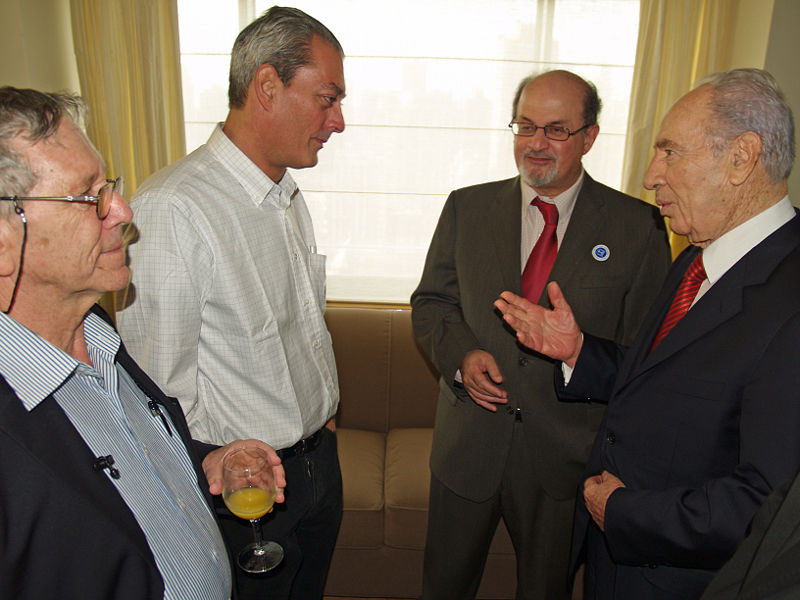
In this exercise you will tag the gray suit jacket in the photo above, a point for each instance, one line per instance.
(766, 565)
(473, 257)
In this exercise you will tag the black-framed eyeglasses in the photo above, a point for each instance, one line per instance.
(102, 200)
(552, 132)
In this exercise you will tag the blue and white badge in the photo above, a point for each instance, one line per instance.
(601, 252)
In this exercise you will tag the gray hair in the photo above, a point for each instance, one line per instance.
(280, 37)
(36, 116)
(750, 100)
(591, 100)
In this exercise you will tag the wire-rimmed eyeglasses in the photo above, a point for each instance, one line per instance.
(552, 132)
(102, 200)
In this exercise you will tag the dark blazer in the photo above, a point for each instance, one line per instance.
(701, 430)
(473, 257)
(766, 566)
(65, 531)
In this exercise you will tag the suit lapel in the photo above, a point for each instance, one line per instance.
(721, 303)
(589, 215)
(505, 230)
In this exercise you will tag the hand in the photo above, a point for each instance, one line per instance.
(480, 375)
(212, 465)
(554, 333)
(331, 424)
(596, 492)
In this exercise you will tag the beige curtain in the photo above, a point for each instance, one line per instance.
(129, 67)
(680, 41)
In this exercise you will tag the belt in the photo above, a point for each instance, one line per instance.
(304, 446)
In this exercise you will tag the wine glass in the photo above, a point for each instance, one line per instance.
(249, 492)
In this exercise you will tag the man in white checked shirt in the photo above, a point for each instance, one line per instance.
(102, 494)
(228, 292)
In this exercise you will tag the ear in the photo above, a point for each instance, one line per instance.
(10, 240)
(744, 154)
(589, 136)
(265, 86)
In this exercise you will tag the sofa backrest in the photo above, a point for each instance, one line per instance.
(384, 379)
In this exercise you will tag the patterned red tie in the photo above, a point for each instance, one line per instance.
(543, 255)
(687, 290)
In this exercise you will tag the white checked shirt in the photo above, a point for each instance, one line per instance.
(228, 299)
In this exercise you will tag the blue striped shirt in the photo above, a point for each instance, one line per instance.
(157, 480)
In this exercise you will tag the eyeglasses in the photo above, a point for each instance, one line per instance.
(552, 132)
(102, 201)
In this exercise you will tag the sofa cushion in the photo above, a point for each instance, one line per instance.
(407, 486)
(362, 456)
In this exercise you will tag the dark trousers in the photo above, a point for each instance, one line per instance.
(460, 532)
(306, 525)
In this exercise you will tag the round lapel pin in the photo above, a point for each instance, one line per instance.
(601, 252)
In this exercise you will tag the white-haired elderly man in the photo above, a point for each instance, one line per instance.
(102, 493)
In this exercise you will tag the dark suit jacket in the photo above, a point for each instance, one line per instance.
(766, 566)
(65, 531)
(701, 430)
(473, 257)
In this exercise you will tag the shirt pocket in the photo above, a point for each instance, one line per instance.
(316, 267)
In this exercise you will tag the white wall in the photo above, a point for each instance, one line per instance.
(783, 52)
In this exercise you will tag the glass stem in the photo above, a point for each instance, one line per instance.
(256, 523)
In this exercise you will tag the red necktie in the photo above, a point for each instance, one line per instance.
(687, 290)
(543, 255)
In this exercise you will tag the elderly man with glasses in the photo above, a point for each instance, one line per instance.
(102, 493)
(503, 445)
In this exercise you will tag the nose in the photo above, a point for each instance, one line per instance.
(119, 212)
(654, 175)
(538, 141)
(336, 118)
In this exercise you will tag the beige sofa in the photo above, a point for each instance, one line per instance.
(385, 427)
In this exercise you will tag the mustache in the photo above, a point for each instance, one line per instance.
(538, 154)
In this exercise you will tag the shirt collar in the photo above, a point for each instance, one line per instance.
(565, 201)
(723, 253)
(35, 368)
(258, 186)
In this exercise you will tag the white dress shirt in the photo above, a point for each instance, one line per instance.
(724, 252)
(533, 220)
(226, 308)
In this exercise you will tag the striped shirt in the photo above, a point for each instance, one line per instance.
(157, 480)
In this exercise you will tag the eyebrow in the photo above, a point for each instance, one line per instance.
(665, 143)
(340, 93)
(557, 122)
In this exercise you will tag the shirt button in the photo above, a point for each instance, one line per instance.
(611, 438)
(317, 344)
(306, 302)
(523, 361)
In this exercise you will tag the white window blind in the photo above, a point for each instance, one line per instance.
(429, 91)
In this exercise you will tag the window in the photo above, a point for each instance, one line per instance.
(429, 91)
